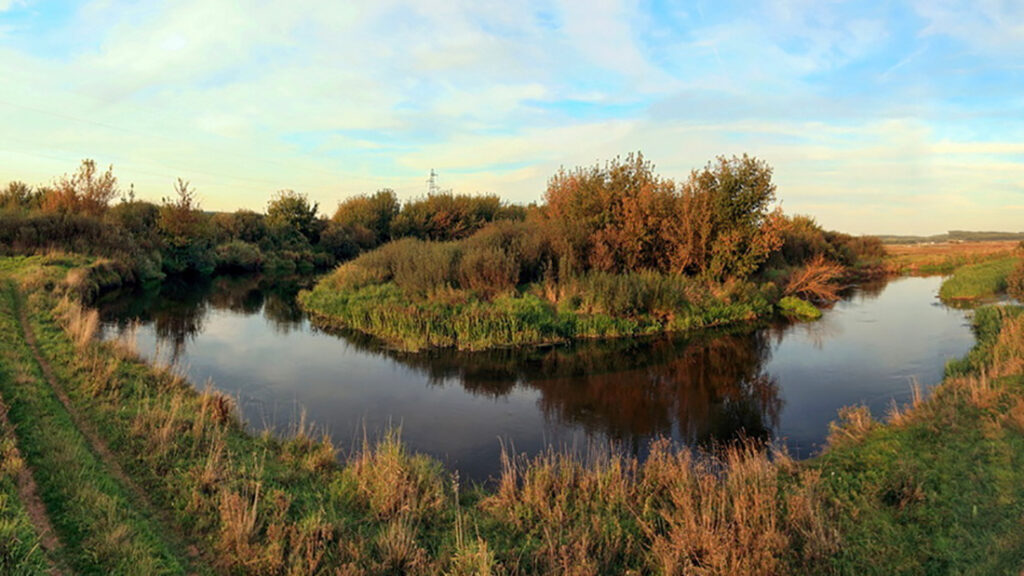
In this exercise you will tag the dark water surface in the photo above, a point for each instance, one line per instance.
(249, 338)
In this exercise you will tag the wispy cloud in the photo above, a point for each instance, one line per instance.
(856, 105)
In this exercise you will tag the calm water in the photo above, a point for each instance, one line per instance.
(248, 337)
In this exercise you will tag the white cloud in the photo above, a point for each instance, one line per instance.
(335, 98)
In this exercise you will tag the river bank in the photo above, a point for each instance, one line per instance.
(937, 488)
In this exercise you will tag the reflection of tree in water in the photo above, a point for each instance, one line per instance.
(701, 391)
(704, 390)
(177, 307)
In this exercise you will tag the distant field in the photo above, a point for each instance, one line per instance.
(943, 257)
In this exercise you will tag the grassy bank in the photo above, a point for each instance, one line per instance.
(525, 318)
(937, 489)
(976, 282)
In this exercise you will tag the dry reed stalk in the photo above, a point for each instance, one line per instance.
(855, 422)
(817, 281)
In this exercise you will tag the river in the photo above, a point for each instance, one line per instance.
(247, 337)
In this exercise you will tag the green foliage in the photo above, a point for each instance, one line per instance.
(292, 218)
(244, 225)
(186, 233)
(793, 307)
(239, 256)
(368, 218)
(445, 216)
(978, 281)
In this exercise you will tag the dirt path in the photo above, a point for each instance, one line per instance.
(28, 493)
(101, 449)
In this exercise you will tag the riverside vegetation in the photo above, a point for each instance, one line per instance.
(614, 250)
(140, 473)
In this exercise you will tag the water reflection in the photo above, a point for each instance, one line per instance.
(249, 336)
(711, 389)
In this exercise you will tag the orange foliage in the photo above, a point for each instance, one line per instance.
(85, 192)
(623, 217)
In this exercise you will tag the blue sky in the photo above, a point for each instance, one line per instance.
(903, 117)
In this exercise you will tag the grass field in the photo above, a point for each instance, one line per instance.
(944, 257)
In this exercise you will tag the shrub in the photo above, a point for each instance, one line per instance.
(239, 256)
(445, 216)
(794, 307)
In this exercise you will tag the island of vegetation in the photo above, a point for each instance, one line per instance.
(614, 250)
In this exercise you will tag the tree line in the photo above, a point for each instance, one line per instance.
(88, 212)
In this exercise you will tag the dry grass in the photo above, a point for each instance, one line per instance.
(393, 483)
(855, 423)
(943, 257)
(81, 323)
(697, 513)
(901, 416)
(817, 281)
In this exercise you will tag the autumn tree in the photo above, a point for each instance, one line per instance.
(613, 218)
(185, 231)
(727, 214)
(623, 217)
(87, 191)
(368, 218)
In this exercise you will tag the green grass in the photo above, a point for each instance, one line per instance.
(939, 489)
(21, 553)
(793, 307)
(976, 282)
(93, 514)
(463, 321)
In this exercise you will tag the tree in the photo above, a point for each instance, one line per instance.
(19, 195)
(184, 230)
(369, 218)
(87, 191)
(292, 217)
(731, 198)
(613, 218)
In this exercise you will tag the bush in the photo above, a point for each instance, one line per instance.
(238, 256)
(794, 307)
(446, 216)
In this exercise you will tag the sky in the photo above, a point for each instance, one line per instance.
(877, 116)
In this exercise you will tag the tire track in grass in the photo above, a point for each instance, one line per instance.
(187, 555)
(28, 493)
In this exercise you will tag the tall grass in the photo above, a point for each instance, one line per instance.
(500, 288)
(978, 281)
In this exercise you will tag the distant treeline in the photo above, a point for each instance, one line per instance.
(87, 212)
(953, 236)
